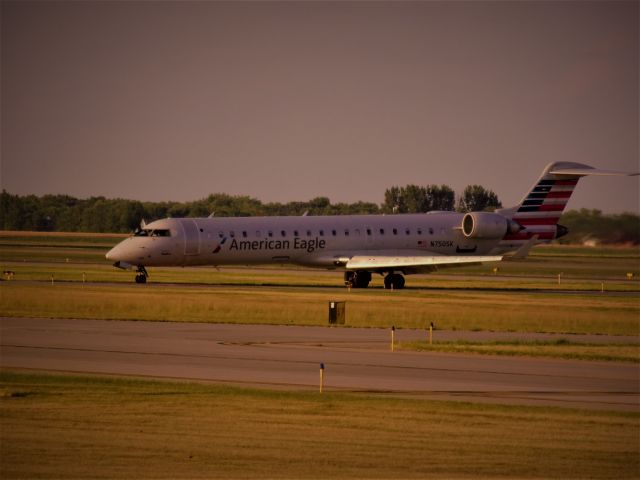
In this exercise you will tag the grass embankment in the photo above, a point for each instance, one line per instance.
(449, 310)
(561, 348)
(92, 427)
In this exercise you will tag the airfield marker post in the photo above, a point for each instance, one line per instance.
(393, 338)
(321, 376)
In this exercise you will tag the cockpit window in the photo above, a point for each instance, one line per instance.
(147, 232)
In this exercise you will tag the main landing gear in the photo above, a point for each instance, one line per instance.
(361, 279)
(141, 275)
(358, 279)
(393, 281)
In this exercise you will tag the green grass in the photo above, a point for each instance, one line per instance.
(94, 427)
(449, 310)
(561, 348)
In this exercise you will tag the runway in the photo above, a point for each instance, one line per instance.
(290, 357)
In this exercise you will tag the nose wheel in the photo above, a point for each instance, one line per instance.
(141, 275)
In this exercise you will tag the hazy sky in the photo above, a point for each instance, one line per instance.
(292, 100)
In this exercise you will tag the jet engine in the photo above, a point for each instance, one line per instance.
(488, 225)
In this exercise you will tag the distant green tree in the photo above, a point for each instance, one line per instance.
(440, 198)
(476, 198)
(417, 199)
(592, 225)
(11, 211)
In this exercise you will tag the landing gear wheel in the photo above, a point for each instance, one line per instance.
(359, 279)
(394, 281)
(141, 275)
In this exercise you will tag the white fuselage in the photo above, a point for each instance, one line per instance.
(322, 241)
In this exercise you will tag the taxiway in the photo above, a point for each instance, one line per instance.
(356, 359)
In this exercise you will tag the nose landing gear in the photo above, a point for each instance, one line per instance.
(141, 275)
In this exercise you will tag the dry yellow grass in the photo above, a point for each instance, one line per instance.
(71, 427)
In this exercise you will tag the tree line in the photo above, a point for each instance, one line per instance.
(100, 214)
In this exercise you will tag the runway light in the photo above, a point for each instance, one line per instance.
(321, 376)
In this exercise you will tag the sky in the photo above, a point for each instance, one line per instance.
(287, 101)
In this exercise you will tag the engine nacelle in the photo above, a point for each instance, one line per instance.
(488, 225)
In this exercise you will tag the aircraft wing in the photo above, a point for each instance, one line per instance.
(415, 263)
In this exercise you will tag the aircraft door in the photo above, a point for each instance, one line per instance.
(191, 236)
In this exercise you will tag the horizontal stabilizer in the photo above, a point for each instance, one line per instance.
(581, 172)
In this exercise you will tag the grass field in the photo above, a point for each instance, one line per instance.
(450, 310)
(56, 426)
(561, 348)
(50, 271)
(94, 427)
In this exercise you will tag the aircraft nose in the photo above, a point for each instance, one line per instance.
(117, 253)
(111, 253)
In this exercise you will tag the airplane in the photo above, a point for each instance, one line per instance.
(361, 245)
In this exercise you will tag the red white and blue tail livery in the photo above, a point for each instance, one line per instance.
(539, 212)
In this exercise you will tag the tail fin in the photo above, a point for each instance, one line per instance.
(540, 210)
